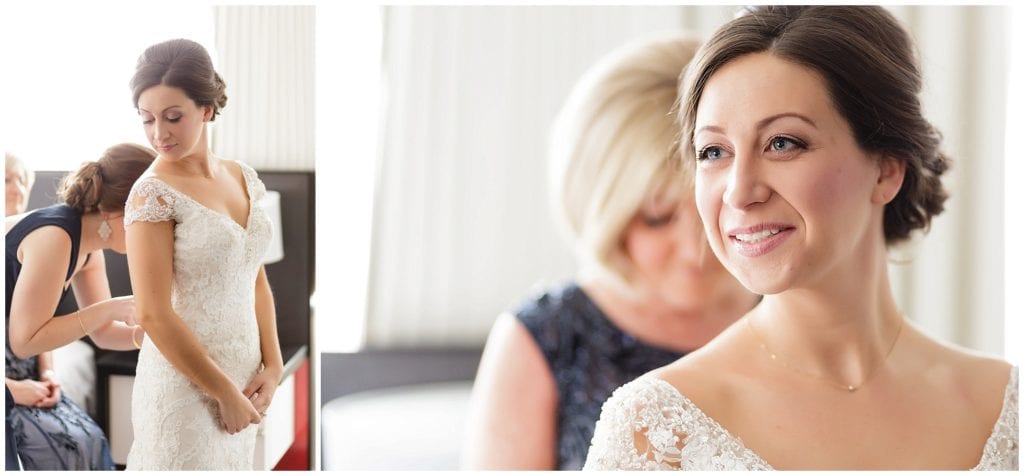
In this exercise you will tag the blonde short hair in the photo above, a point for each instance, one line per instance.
(12, 162)
(615, 144)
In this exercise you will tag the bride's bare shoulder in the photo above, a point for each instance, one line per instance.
(979, 377)
(710, 376)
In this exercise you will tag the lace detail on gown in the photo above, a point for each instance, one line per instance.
(648, 425)
(1002, 450)
(216, 260)
(150, 200)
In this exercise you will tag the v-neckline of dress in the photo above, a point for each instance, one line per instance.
(691, 406)
(248, 193)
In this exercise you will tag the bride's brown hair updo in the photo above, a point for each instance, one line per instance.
(103, 184)
(182, 64)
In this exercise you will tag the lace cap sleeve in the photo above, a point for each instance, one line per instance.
(647, 424)
(639, 429)
(1002, 450)
(150, 200)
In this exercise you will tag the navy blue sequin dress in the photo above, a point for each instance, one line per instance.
(589, 357)
(62, 437)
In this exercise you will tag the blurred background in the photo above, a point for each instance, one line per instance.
(447, 223)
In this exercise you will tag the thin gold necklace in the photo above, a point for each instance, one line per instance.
(786, 362)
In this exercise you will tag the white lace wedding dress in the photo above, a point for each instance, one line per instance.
(680, 436)
(216, 261)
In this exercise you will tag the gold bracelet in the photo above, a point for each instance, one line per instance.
(135, 342)
(78, 312)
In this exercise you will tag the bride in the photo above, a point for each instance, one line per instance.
(196, 237)
(812, 157)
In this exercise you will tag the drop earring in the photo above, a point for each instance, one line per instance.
(104, 230)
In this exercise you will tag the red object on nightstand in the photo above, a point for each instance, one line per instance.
(297, 456)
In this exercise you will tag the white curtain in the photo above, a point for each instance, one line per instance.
(1013, 193)
(462, 228)
(266, 57)
(954, 283)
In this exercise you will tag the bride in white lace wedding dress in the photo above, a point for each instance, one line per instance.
(812, 158)
(215, 266)
(196, 237)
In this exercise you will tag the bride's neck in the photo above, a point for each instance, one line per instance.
(841, 327)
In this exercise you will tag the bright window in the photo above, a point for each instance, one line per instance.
(348, 90)
(66, 69)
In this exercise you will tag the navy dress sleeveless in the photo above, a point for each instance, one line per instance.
(62, 437)
(589, 357)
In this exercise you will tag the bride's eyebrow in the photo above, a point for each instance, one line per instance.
(762, 123)
(168, 108)
(770, 119)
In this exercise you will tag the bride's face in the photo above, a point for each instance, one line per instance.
(786, 195)
(175, 125)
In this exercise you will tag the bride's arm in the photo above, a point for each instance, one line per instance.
(263, 386)
(150, 248)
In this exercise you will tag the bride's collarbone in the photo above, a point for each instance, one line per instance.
(794, 424)
(226, 195)
(882, 431)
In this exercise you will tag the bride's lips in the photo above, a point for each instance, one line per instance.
(165, 148)
(760, 239)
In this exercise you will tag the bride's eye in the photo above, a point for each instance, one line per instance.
(783, 144)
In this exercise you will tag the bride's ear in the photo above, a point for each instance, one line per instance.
(891, 171)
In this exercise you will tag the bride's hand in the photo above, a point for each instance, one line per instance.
(262, 387)
(237, 412)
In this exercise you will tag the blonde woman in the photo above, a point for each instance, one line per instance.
(18, 180)
(649, 290)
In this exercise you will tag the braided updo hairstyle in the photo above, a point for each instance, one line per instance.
(182, 64)
(103, 184)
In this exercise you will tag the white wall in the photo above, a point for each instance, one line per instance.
(64, 95)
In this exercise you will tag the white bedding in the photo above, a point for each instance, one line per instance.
(414, 427)
(75, 366)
